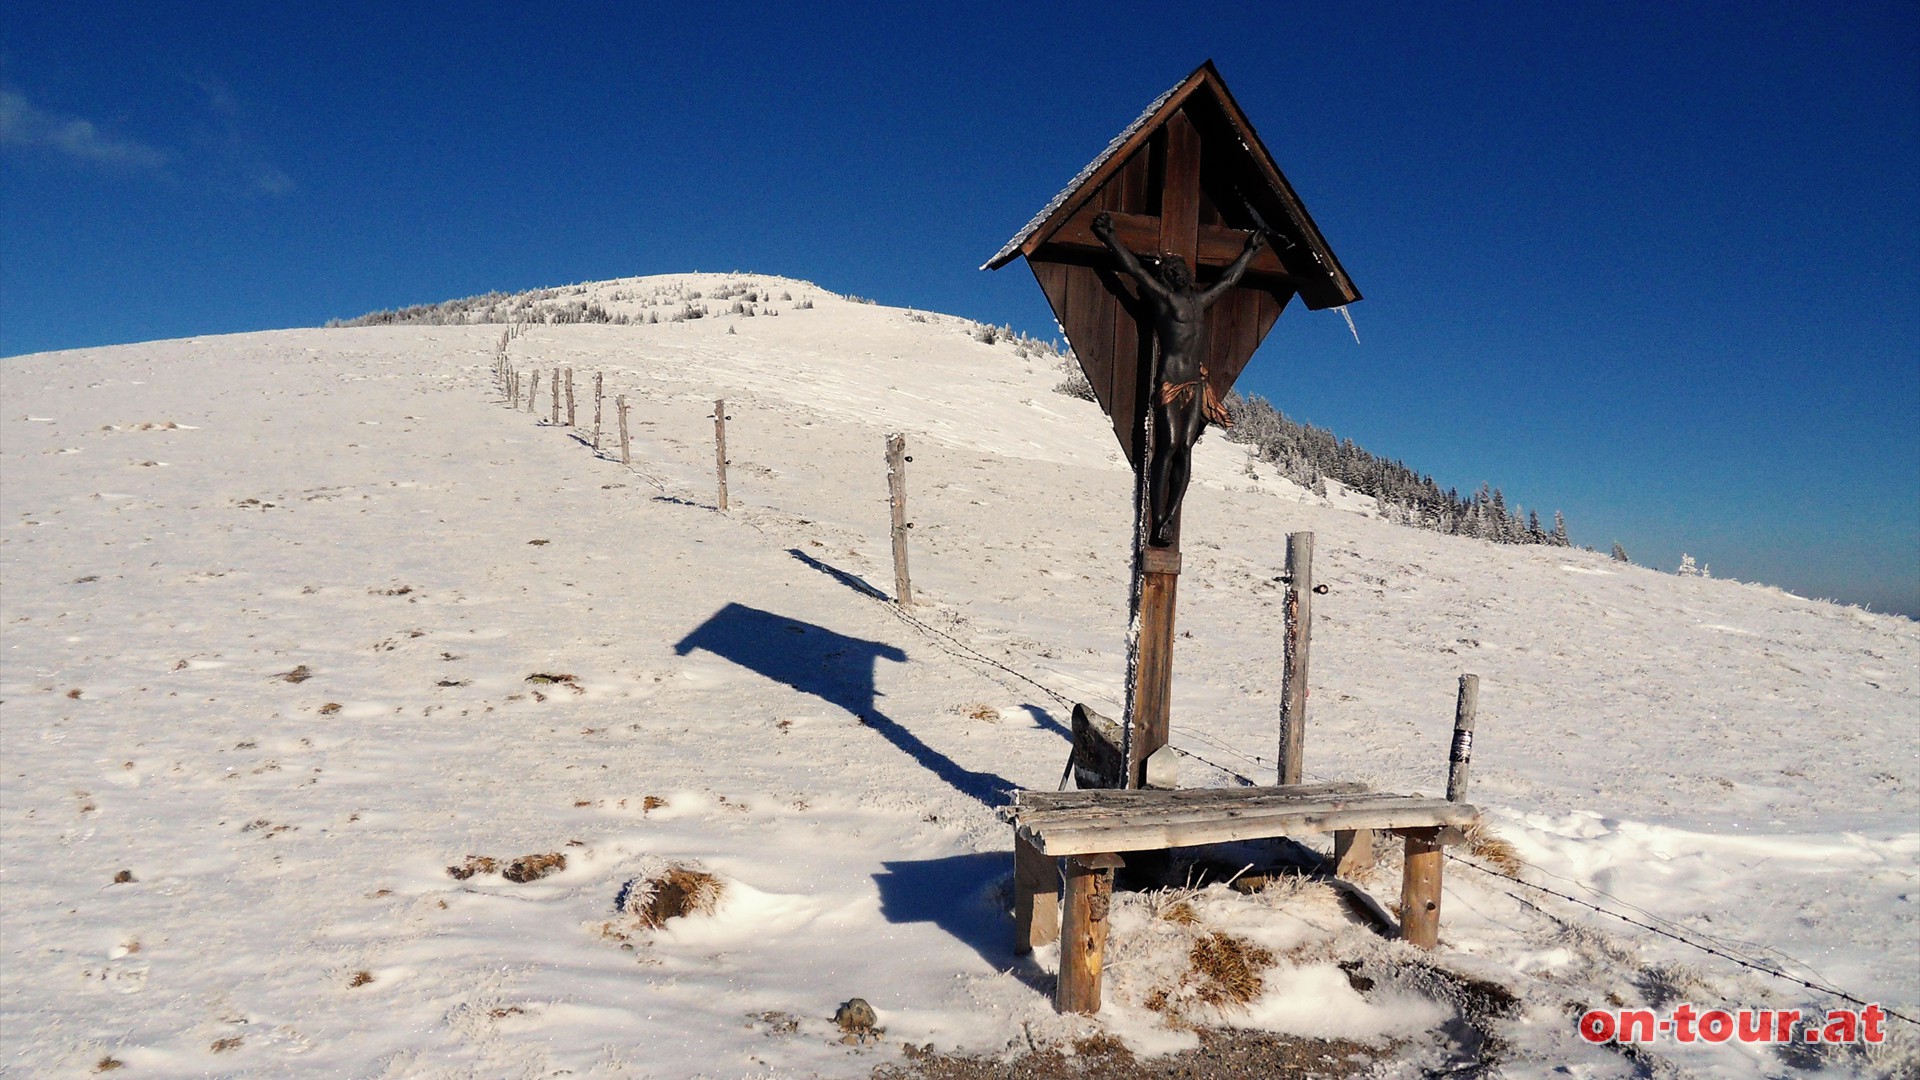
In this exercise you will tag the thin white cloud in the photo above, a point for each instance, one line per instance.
(269, 180)
(220, 97)
(232, 145)
(22, 123)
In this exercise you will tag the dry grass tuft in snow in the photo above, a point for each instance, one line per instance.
(674, 893)
(1180, 912)
(534, 867)
(520, 871)
(1226, 970)
(1493, 849)
(1223, 971)
(475, 864)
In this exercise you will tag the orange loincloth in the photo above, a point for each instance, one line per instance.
(1210, 405)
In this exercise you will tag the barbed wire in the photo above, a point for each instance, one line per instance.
(1728, 943)
(972, 653)
(975, 654)
(1681, 938)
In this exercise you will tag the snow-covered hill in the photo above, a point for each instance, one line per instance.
(294, 621)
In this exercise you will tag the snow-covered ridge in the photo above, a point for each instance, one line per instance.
(186, 526)
(655, 299)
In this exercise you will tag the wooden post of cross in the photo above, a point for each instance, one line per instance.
(1157, 569)
(1189, 179)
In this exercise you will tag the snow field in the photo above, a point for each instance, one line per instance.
(1725, 756)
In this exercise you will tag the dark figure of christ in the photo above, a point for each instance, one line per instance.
(1183, 400)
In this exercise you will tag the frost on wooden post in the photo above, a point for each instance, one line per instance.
(599, 395)
(720, 450)
(626, 443)
(897, 499)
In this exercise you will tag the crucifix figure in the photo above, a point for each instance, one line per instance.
(1183, 400)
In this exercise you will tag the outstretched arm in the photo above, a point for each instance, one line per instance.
(1255, 241)
(1103, 229)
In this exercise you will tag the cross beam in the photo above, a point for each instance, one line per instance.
(1216, 245)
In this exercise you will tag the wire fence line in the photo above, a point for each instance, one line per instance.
(1683, 939)
(1657, 924)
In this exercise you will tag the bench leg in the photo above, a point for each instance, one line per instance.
(1352, 852)
(1083, 932)
(1036, 897)
(1420, 889)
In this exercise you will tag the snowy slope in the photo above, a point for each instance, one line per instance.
(184, 523)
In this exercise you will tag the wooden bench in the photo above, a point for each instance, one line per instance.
(1092, 829)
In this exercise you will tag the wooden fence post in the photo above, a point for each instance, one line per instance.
(720, 449)
(556, 398)
(599, 391)
(533, 394)
(1299, 633)
(1466, 706)
(570, 422)
(626, 448)
(897, 499)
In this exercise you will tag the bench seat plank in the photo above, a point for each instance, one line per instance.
(1133, 820)
(1144, 797)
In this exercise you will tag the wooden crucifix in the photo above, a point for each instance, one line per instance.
(1188, 182)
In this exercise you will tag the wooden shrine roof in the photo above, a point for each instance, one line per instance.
(1315, 273)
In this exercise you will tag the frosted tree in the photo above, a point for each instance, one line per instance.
(1687, 567)
(1619, 554)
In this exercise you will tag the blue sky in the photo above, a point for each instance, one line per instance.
(1652, 265)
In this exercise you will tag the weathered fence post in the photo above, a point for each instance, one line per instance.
(626, 447)
(1299, 632)
(897, 498)
(533, 394)
(570, 422)
(720, 449)
(599, 392)
(1466, 706)
(555, 421)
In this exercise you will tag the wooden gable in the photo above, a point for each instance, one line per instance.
(1189, 177)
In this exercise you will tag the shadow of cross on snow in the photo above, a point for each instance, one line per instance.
(836, 669)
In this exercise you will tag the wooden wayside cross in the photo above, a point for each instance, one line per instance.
(1188, 179)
